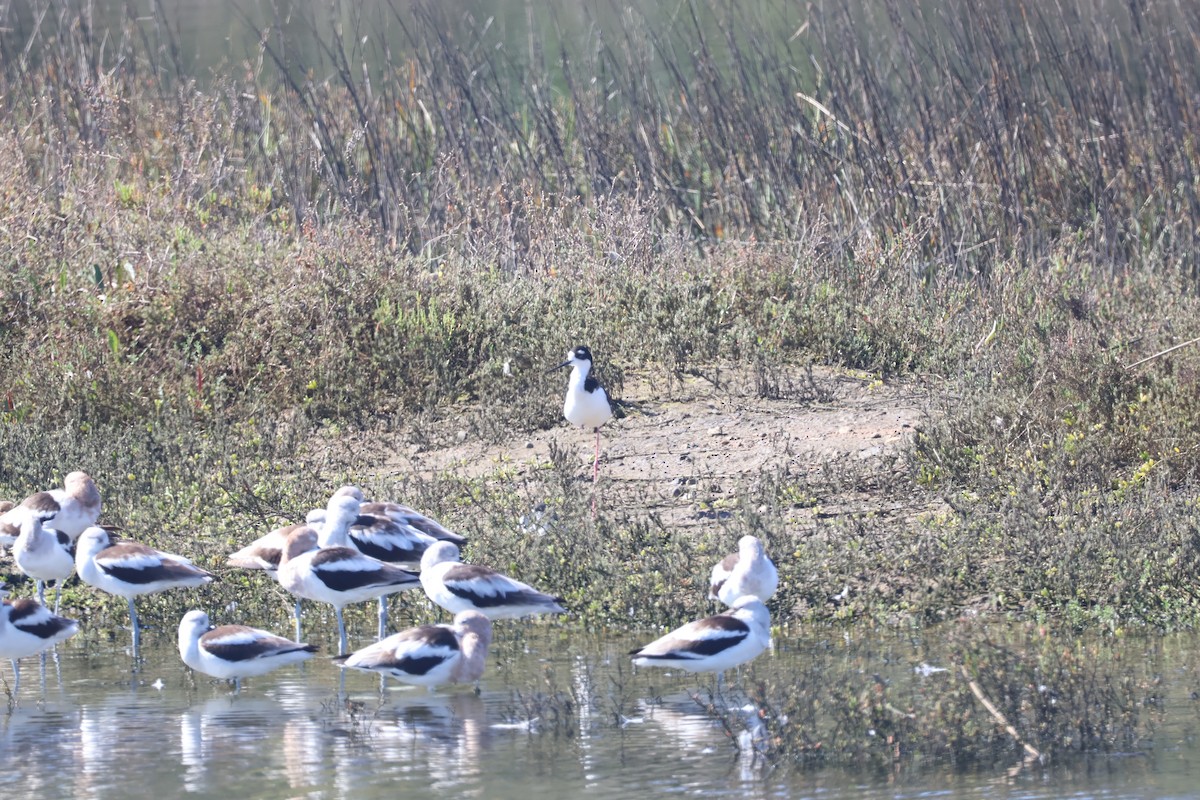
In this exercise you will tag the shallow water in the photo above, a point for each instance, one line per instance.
(90, 725)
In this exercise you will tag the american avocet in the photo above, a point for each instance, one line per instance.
(402, 515)
(748, 571)
(8, 530)
(28, 627)
(235, 651)
(405, 515)
(712, 644)
(44, 554)
(586, 404)
(337, 575)
(374, 536)
(470, 587)
(127, 570)
(377, 536)
(430, 655)
(265, 552)
(75, 507)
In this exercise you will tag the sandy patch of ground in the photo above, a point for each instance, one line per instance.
(685, 446)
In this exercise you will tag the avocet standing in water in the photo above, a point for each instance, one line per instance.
(748, 571)
(712, 644)
(430, 655)
(337, 575)
(127, 570)
(44, 554)
(379, 537)
(233, 652)
(458, 587)
(28, 627)
(265, 553)
(586, 404)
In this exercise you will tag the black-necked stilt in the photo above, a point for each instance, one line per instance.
(470, 587)
(233, 652)
(749, 571)
(586, 404)
(75, 507)
(44, 554)
(337, 575)
(28, 627)
(430, 655)
(712, 644)
(127, 570)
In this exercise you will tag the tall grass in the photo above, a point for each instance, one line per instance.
(991, 130)
(996, 198)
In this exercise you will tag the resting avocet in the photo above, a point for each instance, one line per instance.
(470, 587)
(127, 570)
(586, 404)
(712, 644)
(747, 572)
(337, 575)
(374, 536)
(402, 515)
(430, 655)
(75, 507)
(8, 530)
(44, 554)
(233, 652)
(265, 552)
(28, 627)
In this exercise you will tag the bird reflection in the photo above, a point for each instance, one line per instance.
(33, 734)
(224, 736)
(443, 736)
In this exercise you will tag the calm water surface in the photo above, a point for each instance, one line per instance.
(89, 726)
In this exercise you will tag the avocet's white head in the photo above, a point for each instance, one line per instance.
(91, 542)
(437, 553)
(749, 547)
(342, 510)
(351, 491)
(194, 624)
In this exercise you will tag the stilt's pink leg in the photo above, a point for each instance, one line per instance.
(595, 472)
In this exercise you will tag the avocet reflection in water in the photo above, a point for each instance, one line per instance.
(557, 717)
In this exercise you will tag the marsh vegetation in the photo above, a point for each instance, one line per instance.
(226, 296)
